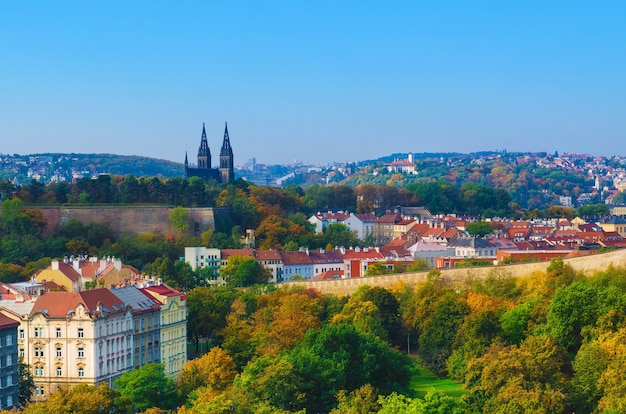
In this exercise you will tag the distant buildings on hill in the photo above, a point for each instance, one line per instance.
(411, 235)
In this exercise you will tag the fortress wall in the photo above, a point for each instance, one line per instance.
(129, 220)
(345, 287)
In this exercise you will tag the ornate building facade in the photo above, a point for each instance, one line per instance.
(203, 169)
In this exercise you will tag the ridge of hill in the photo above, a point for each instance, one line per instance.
(72, 164)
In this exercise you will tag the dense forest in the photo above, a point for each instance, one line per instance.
(549, 342)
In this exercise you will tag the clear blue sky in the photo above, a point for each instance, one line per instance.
(319, 81)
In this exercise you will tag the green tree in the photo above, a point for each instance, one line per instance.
(439, 330)
(179, 220)
(479, 228)
(338, 234)
(376, 269)
(573, 308)
(590, 363)
(148, 387)
(363, 400)
(208, 308)
(316, 197)
(333, 358)
(242, 271)
(26, 384)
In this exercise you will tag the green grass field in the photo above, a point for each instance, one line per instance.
(423, 380)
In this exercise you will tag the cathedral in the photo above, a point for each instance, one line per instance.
(225, 173)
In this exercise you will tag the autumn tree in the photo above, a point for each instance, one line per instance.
(215, 370)
(82, 398)
(284, 319)
(528, 378)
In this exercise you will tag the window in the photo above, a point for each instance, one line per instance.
(59, 372)
(9, 381)
(9, 360)
(21, 334)
(59, 352)
(81, 352)
(81, 333)
(9, 401)
(39, 371)
(38, 332)
(58, 332)
(38, 389)
(21, 351)
(9, 339)
(81, 372)
(39, 352)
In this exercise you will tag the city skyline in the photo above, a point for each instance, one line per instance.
(319, 82)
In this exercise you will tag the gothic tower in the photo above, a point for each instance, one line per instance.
(226, 159)
(204, 153)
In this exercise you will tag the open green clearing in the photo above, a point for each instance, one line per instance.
(423, 380)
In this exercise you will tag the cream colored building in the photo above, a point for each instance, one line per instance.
(70, 338)
(173, 327)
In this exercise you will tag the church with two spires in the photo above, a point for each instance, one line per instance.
(225, 173)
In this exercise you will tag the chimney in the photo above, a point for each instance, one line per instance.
(55, 265)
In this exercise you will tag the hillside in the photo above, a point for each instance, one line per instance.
(68, 165)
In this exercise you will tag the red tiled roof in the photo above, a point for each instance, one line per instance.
(226, 253)
(58, 304)
(164, 290)
(448, 234)
(329, 275)
(328, 256)
(6, 322)
(267, 255)
(68, 271)
(362, 254)
(366, 217)
(294, 258)
(390, 218)
(433, 232)
(405, 222)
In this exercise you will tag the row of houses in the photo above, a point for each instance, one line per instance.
(70, 335)
(285, 265)
(442, 242)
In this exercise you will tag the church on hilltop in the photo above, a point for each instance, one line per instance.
(225, 173)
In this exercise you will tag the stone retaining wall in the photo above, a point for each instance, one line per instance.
(344, 287)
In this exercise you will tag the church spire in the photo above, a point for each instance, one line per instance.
(226, 159)
(226, 149)
(204, 153)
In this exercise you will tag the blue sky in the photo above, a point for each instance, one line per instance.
(318, 81)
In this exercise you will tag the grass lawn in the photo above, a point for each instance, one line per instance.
(423, 380)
